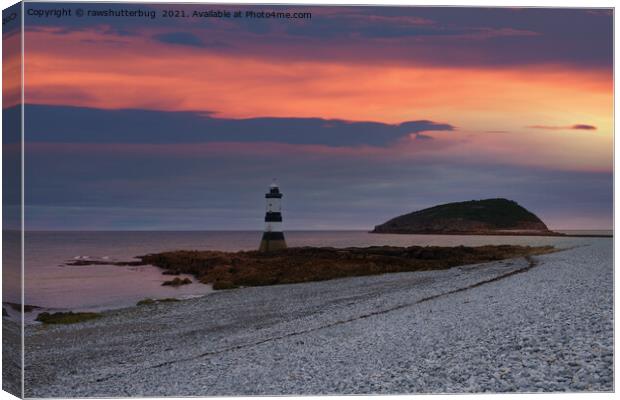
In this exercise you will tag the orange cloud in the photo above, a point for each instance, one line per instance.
(89, 68)
(135, 72)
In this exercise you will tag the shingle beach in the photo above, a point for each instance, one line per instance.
(539, 324)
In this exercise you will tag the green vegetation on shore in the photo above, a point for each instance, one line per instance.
(227, 270)
(66, 317)
(147, 302)
(177, 282)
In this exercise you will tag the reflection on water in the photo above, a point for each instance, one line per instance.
(50, 283)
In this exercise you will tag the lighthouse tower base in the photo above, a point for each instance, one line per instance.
(272, 241)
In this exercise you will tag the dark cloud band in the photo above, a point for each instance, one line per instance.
(64, 124)
(445, 36)
(577, 127)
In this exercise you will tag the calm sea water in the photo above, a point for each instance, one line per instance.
(50, 283)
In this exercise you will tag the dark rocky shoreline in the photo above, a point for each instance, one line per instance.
(229, 270)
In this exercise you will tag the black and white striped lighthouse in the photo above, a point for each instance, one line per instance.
(273, 237)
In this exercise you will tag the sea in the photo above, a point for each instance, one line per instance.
(55, 286)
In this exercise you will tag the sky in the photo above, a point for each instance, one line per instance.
(360, 113)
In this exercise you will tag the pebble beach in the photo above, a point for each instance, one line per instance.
(519, 325)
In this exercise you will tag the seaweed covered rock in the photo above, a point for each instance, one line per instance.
(66, 317)
(177, 282)
(307, 264)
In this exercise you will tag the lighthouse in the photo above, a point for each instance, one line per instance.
(273, 237)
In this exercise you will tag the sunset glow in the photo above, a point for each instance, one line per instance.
(532, 102)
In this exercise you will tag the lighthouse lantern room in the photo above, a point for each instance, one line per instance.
(273, 237)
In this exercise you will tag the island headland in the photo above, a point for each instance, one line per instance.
(475, 217)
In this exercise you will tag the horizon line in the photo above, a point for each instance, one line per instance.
(248, 230)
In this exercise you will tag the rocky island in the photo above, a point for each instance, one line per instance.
(475, 217)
